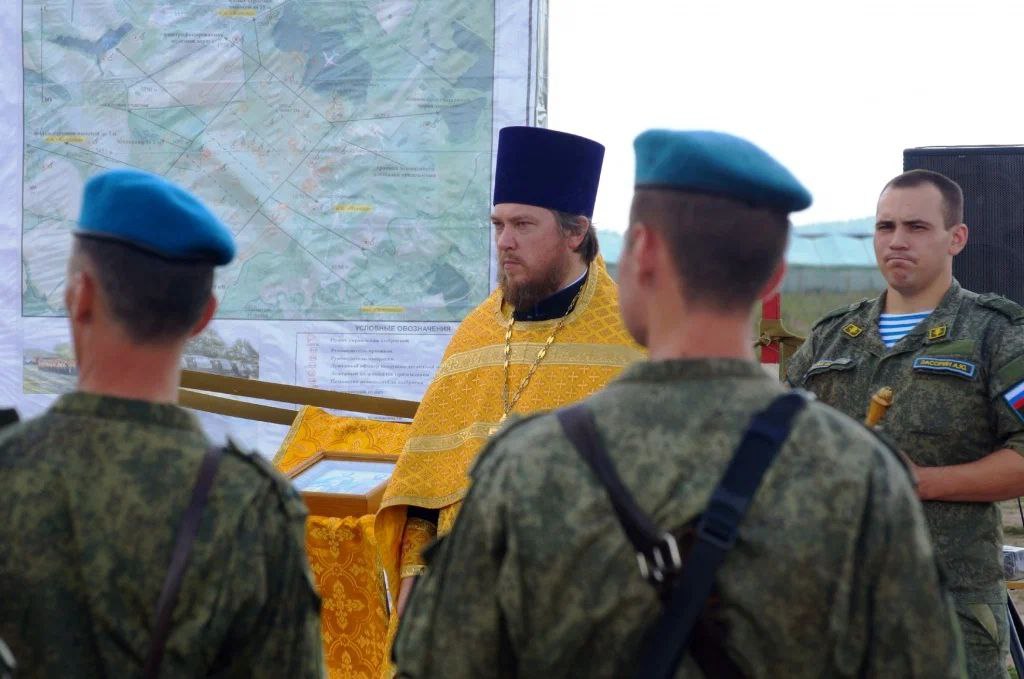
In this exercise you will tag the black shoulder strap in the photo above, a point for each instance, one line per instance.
(187, 531)
(658, 554)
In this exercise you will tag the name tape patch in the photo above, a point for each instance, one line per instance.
(946, 364)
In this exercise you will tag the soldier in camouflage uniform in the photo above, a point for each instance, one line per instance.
(956, 376)
(95, 488)
(833, 574)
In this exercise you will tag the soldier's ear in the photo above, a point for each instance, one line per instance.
(80, 296)
(959, 241)
(204, 320)
(775, 282)
(643, 248)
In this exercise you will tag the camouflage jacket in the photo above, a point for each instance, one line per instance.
(949, 376)
(833, 574)
(94, 490)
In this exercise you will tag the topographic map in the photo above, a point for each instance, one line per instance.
(347, 144)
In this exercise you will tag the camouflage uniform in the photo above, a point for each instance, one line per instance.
(833, 574)
(94, 491)
(949, 376)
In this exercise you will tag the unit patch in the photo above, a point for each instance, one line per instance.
(852, 330)
(1015, 399)
(946, 364)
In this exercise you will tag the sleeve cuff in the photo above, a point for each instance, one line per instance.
(418, 534)
(412, 571)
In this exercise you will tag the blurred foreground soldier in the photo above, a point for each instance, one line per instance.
(549, 335)
(96, 488)
(831, 574)
(955, 362)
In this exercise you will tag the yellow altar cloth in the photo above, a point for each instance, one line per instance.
(342, 552)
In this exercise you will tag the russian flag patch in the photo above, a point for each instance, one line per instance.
(1015, 399)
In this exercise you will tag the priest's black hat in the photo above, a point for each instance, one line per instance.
(546, 168)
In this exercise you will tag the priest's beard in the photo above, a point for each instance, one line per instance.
(526, 294)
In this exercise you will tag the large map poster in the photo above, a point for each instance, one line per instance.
(348, 145)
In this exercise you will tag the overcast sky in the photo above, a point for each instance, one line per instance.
(835, 91)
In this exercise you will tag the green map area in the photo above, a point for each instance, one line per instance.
(346, 144)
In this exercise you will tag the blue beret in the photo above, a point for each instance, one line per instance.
(151, 213)
(549, 169)
(718, 164)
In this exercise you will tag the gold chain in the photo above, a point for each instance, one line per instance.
(510, 404)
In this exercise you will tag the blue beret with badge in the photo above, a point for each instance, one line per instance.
(718, 164)
(549, 169)
(150, 213)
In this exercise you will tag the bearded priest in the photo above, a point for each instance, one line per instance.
(549, 335)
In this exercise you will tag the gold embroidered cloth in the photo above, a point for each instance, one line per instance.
(342, 552)
(463, 403)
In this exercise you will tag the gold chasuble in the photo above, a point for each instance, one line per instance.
(464, 404)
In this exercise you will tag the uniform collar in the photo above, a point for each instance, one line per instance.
(85, 404)
(937, 327)
(692, 369)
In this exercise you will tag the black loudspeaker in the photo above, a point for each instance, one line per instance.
(992, 178)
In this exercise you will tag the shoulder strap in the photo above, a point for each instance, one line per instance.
(187, 531)
(717, 529)
(667, 642)
(656, 550)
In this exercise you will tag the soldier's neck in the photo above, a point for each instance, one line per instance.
(132, 372)
(915, 301)
(699, 334)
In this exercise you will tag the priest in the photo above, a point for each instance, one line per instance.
(549, 335)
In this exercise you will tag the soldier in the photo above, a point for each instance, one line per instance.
(955, 362)
(95, 488)
(832, 573)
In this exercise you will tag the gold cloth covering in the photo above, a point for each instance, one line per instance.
(463, 404)
(342, 552)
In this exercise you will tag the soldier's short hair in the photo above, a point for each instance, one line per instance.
(154, 299)
(570, 225)
(952, 194)
(725, 251)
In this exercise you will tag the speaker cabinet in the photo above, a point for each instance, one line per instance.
(992, 178)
